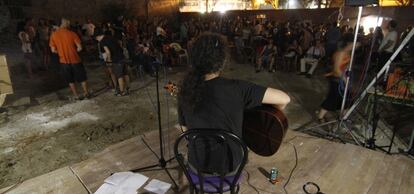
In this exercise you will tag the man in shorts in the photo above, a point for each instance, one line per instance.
(67, 45)
(114, 58)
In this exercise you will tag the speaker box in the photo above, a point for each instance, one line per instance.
(360, 2)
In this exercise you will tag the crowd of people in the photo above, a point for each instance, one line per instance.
(293, 46)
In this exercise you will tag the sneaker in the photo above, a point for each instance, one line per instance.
(116, 92)
(257, 71)
(301, 73)
(122, 94)
(309, 75)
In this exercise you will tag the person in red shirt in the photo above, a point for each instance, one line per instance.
(337, 78)
(67, 45)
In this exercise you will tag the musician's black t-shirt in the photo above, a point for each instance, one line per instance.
(223, 108)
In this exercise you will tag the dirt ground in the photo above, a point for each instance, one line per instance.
(53, 131)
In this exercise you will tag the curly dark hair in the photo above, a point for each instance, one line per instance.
(207, 55)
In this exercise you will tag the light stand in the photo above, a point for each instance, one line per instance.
(348, 75)
(380, 73)
(370, 143)
(341, 119)
(162, 163)
(383, 70)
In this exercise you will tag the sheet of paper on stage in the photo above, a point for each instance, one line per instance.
(106, 189)
(157, 186)
(118, 178)
(122, 183)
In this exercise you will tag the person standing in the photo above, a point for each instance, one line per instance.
(387, 46)
(67, 44)
(114, 58)
(337, 78)
(112, 82)
(89, 28)
(306, 37)
(27, 50)
(332, 36)
(44, 33)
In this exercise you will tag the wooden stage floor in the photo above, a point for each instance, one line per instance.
(336, 168)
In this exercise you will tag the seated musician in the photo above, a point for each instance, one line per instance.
(208, 101)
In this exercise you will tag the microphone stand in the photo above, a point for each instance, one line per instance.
(162, 162)
(370, 143)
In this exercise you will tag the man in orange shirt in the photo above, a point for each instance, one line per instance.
(67, 45)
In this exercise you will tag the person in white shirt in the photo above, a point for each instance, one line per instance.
(89, 28)
(313, 55)
(27, 50)
(388, 44)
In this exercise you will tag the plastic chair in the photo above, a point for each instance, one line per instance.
(217, 180)
(182, 55)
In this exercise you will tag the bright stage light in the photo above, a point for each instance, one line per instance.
(222, 6)
(215, 5)
(371, 22)
(222, 9)
(291, 4)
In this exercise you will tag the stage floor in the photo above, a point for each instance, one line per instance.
(335, 167)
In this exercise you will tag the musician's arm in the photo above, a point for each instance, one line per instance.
(276, 97)
(181, 121)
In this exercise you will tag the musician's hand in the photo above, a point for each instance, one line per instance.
(182, 128)
(277, 98)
